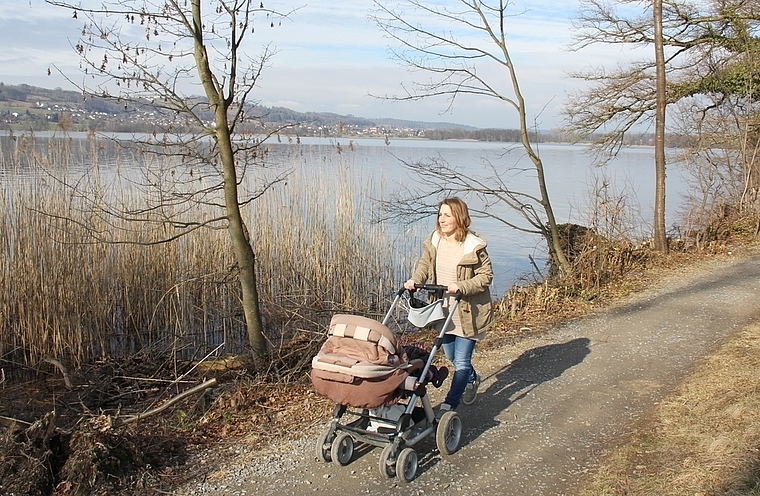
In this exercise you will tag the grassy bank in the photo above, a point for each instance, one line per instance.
(702, 440)
(86, 274)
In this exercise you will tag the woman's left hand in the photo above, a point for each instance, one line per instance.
(453, 288)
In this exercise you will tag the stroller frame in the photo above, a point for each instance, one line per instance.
(397, 438)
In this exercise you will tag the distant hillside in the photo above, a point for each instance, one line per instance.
(284, 115)
(26, 96)
(24, 107)
(23, 95)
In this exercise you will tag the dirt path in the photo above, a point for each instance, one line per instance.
(548, 407)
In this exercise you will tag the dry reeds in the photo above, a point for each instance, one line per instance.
(84, 273)
(600, 255)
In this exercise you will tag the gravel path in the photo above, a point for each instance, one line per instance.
(548, 406)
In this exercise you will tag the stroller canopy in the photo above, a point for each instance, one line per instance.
(360, 364)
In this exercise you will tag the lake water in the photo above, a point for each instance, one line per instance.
(570, 175)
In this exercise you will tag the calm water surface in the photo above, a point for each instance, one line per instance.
(570, 174)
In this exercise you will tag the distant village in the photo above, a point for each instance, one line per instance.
(28, 108)
(48, 116)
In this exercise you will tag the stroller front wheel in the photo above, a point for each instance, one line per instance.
(342, 449)
(406, 465)
(387, 466)
(449, 433)
(323, 446)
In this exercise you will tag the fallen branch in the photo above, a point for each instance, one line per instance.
(66, 376)
(118, 422)
(14, 424)
(150, 379)
(178, 379)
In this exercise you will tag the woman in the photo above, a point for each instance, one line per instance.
(456, 257)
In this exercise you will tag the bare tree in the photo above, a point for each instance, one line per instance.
(719, 114)
(660, 235)
(451, 63)
(720, 160)
(153, 55)
(694, 43)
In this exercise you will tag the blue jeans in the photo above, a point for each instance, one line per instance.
(459, 352)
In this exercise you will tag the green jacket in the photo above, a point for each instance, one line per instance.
(474, 276)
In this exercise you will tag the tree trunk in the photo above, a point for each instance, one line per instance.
(556, 255)
(241, 245)
(660, 236)
(553, 241)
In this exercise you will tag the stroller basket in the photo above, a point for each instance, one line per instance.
(426, 314)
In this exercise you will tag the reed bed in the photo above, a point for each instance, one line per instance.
(601, 254)
(82, 281)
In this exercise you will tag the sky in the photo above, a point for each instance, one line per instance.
(330, 57)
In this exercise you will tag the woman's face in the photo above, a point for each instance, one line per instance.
(446, 220)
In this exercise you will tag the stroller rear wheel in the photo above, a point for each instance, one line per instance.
(406, 465)
(323, 446)
(449, 433)
(387, 466)
(342, 449)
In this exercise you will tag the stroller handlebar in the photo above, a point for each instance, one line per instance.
(436, 289)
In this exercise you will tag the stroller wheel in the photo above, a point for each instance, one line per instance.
(387, 466)
(406, 465)
(323, 446)
(449, 433)
(342, 449)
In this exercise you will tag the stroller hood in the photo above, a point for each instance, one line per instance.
(360, 364)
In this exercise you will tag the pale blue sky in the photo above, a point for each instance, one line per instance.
(330, 57)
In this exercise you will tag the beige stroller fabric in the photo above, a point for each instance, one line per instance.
(360, 365)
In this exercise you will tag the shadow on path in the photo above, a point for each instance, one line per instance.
(520, 377)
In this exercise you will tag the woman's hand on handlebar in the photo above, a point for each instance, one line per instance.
(409, 284)
(452, 288)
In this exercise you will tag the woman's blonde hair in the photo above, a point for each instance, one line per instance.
(460, 213)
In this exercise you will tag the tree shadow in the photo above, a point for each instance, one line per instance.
(520, 377)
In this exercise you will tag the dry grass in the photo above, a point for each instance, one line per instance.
(83, 280)
(704, 439)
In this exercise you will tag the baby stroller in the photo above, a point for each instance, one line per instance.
(381, 394)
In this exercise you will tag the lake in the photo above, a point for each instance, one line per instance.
(570, 175)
